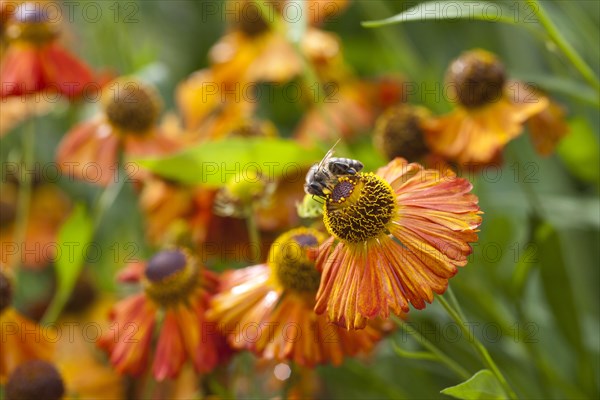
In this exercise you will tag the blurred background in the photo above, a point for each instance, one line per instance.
(530, 289)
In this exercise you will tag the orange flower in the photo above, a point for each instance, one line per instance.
(268, 308)
(131, 109)
(48, 210)
(397, 237)
(179, 288)
(485, 118)
(34, 61)
(210, 107)
(22, 339)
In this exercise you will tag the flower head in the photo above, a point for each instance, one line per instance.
(398, 132)
(396, 238)
(130, 111)
(34, 61)
(275, 301)
(175, 284)
(485, 118)
(35, 379)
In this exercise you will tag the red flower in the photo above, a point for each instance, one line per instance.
(175, 284)
(34, 61)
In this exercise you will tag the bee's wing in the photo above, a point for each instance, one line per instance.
(328, 155)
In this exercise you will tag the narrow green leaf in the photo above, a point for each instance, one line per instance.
(73, 239)
(557, 284)
(482, 385)
(216, 163)
(450, 11)
(558, 289)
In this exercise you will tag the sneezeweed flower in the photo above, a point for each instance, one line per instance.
(399, 132)
(397, 237)
(23, 339)
(547, 127)
(211, 107)
(177, 289)
(486, 118)
(35, 379)
(268, 308)
(48, 209)
(128, 124)
(34, 61)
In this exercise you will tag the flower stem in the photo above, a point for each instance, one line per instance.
(24, 196)
(563, 45)
(479, 347)
(433, 354)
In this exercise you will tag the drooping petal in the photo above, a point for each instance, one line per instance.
(478, 135)
(89, 152)
(129, 344)
(64, 72)
(170, 353)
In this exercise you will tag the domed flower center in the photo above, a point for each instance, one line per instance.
(131, 106)
(249, 19)
(398, 133)
(290, 263)
(35, 379)
(5, 292)
(30, 23)
(359, 207)
(171, 277)
(478, 78)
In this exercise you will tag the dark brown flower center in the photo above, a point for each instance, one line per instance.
(35, 379)
(290, 263)
(171, 277)
(359, 208)
(131, 106)
(249, 19)
(477, 77)
(398, 133)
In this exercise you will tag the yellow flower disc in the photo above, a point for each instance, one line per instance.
(289, 260)
(359, 207)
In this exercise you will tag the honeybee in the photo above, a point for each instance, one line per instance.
(323, 176)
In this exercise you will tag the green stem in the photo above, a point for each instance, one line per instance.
(433, 354)
(25, 187)
(563, 45)
(479, 347)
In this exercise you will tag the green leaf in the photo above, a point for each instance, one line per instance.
(557, 284)
(450, 11)
(216, 163)
(482, 385)
(579, 151)
(73, 240)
